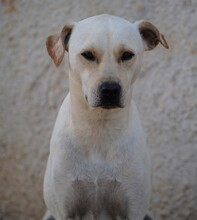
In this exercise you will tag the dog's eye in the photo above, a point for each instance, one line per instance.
(88, 55)
(127, 55)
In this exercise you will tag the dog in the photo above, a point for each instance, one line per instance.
(99, 166)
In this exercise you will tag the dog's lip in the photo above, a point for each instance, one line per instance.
(107, 107)
(110, 106)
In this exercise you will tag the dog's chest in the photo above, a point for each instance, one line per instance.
(97, 172)
(97, 188)
(99, 159)
(95, 167)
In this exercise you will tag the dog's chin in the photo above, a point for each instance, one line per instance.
(108, 107)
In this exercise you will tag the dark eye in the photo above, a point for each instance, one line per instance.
(127, 55)
(88, 55)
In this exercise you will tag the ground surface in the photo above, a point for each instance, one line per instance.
(32, 89)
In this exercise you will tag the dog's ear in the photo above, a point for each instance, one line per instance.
(150, 35)
(57, 44)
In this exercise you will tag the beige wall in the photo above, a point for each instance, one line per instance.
(32, 89)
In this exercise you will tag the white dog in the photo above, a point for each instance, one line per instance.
(98, 167)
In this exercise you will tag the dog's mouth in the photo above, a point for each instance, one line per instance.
(107, 103)
(110, 103)
(110, 107)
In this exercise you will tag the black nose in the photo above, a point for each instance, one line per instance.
(109, 95)
(112, 89)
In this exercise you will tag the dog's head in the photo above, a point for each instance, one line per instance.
(105, 53)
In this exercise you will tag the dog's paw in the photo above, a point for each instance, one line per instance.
(147, 217)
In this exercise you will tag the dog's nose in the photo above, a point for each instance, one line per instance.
(109, 95)
(110, 89)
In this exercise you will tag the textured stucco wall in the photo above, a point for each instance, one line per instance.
(32, 89)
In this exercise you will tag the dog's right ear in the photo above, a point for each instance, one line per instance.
(57, 44)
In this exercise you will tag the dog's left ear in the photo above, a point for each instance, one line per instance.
(57, 44)
(150, 35)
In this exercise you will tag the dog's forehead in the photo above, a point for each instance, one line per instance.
(104, 29)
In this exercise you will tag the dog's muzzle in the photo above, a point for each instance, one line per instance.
(110, 94)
